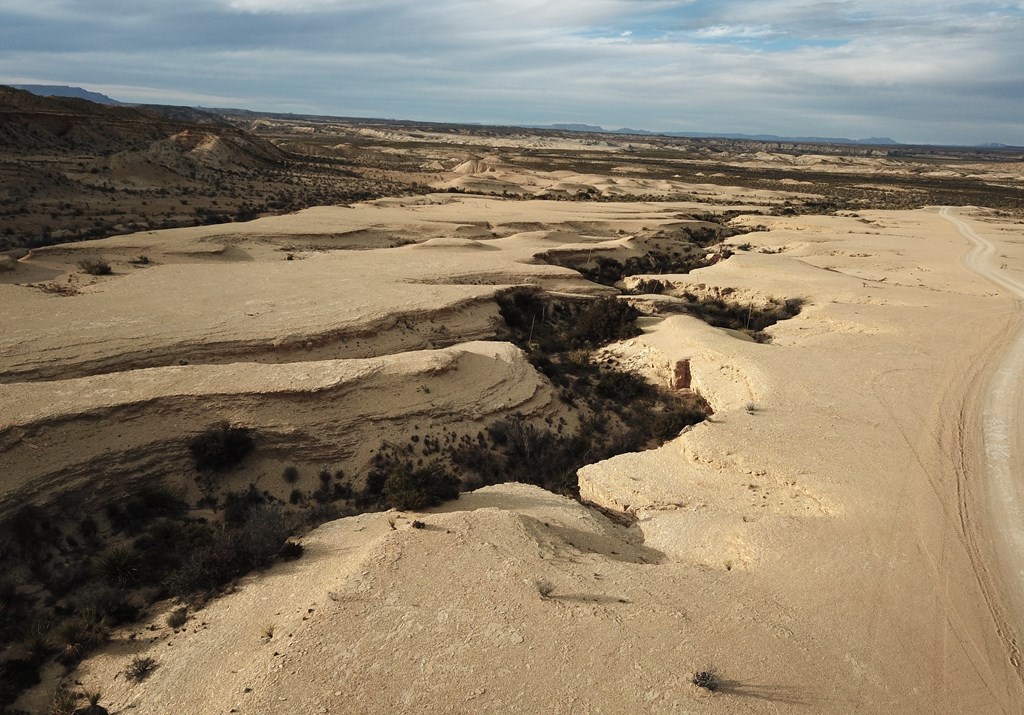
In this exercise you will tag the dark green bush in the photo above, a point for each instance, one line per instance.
(603, 321)
(120, 566)
(617, 385)
(221, 447)
(407, 487)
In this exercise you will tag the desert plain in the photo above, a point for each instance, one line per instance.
(839, 532)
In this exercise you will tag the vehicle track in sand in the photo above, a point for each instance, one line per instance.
(990, 436)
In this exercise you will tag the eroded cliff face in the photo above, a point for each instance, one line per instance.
(800, 543)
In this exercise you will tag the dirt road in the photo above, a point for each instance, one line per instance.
(998, 416)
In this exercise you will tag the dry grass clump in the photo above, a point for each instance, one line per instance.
(140, 668)
(95, 267)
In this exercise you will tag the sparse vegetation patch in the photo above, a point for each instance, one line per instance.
(95, 267)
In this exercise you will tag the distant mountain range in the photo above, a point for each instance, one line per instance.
(46, 90)
(594, 129)
(51, 90)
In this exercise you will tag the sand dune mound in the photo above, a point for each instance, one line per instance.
(478, 166)
(458, 243)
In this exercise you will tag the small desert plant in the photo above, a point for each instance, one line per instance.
(221, 447)
(707, 679)
(63, 702)
(140, 668)
(94, 707)
(80, 634)
(38, 644)
(95, 267)
(177, 618)
(119, 565)
(290, 474)
(267, 631)
(545, 588)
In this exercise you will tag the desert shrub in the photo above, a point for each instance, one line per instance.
(120, 565)
(63, 702)
(16, 676)
(616, 385)
(62, 579)
(30, 528)
(78, 635)
(290, 474)
(95, 267)
(521, 309)
(649, 286)
(523, 440)
(221, 447)
(707, 679)
(177, 618)
(237, 505)
(604, 321)
(606, 272)
(110, 602)
(669, 423)
(263, 534)
(480, 459)
(38, 644)
(291, 550)
(231, 552)
(746, 317)
(407, 487)
(139, 668)
(88, 527)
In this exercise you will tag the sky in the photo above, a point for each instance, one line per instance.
(919, 72)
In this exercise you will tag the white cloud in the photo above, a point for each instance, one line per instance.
(735, 31)
(834, 67)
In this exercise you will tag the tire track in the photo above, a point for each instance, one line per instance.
(990, 421)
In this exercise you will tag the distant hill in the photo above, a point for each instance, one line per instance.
(53, 90)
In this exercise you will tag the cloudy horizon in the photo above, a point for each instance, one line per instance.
(939, 73)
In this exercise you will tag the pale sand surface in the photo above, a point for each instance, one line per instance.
(822, 540)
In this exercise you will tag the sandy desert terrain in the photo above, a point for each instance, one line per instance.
(840, 534)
